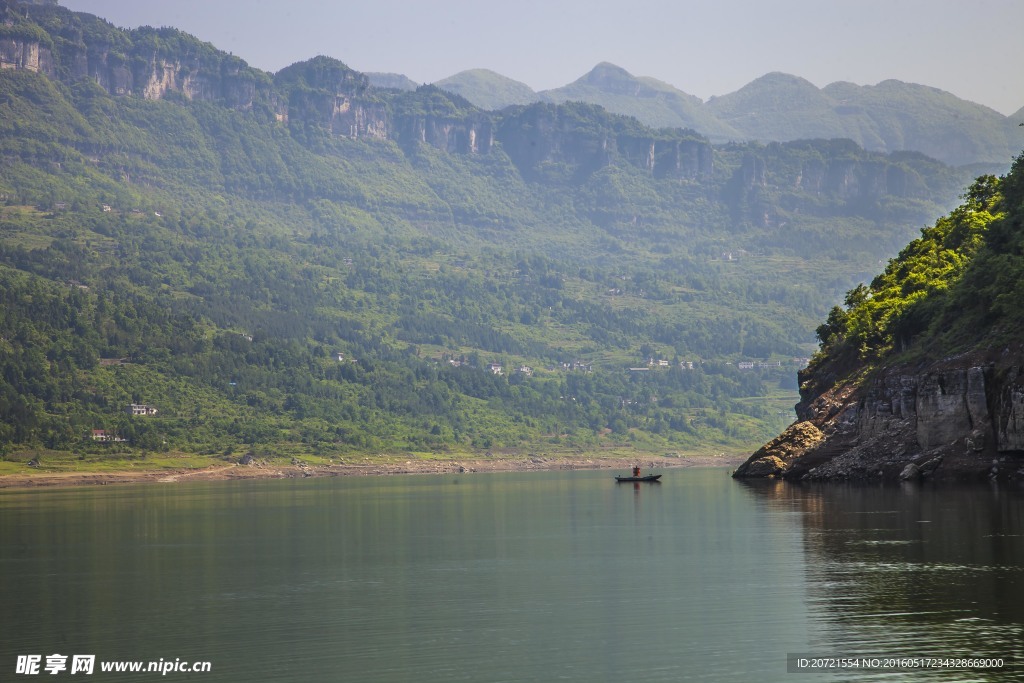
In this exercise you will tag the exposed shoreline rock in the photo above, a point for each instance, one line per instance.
(960, 418)
(775, 457)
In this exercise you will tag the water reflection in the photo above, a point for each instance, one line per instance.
(510, 577)
(505, 577)
(911, 570)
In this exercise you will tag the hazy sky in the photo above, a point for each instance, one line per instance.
(971, 48)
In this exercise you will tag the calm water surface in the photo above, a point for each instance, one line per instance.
(511, 577)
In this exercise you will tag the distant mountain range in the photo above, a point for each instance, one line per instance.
(888, 117)
(302, 264)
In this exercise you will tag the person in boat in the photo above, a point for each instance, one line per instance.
(636, 470)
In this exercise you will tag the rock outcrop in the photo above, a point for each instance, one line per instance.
(959, 418)
(151, 63)
(324, 93)
(774, 458)
(467, 135)
(546, 134)
(18, 52)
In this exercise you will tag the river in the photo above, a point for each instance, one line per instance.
(540, 576)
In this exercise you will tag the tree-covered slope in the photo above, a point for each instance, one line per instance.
(487, 89)
(393, 81)
(779, 106)
(889, 116)
(654, 103)
(954, 290)
(303, 263)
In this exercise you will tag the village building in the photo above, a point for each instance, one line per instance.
(106, 437)
(141, 409)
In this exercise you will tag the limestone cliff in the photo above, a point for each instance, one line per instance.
(325, 93)
(960, 417)
(469, 135)
(667, 158)
(545, 134)
(443, 120)
(144, 62)
(816, 170)
(25, 52)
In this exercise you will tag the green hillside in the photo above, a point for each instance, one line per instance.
(954, 291)
(394, 81)
(654, 103)
(778, 106)
(303, 264)
(487, 89)
(889, 116)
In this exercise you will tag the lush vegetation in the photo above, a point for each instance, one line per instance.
(954, 289)
(488, 90)
(269, 284)
(895, 308)
(653, 102)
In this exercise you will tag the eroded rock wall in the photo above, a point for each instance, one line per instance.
(949, 420)
(17, 53)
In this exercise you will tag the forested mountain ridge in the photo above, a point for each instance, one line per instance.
(301, 263)
(887, 117)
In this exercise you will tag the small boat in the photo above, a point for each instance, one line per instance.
(646, 477)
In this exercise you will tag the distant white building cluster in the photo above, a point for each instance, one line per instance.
(141, 409)
(105, 436)
(768, 364)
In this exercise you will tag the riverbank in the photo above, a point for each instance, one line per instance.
(166, 473)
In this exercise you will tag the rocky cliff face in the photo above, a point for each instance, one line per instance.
(342, 113)
(22, 53)
(469, 135)
(548, 134)
(325, 93)
(155, 77)
(856, 180)
(144, 73)
(957, 418)
(840, 178)
(667, 158)
(828, 173)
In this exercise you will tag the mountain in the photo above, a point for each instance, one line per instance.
(394, 81)
(778, 106)
(302, 264)
(652, 102)
(487, 89)
(889, 117)
(921, 374)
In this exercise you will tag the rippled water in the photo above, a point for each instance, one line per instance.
(511, 577)
(913, 571)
